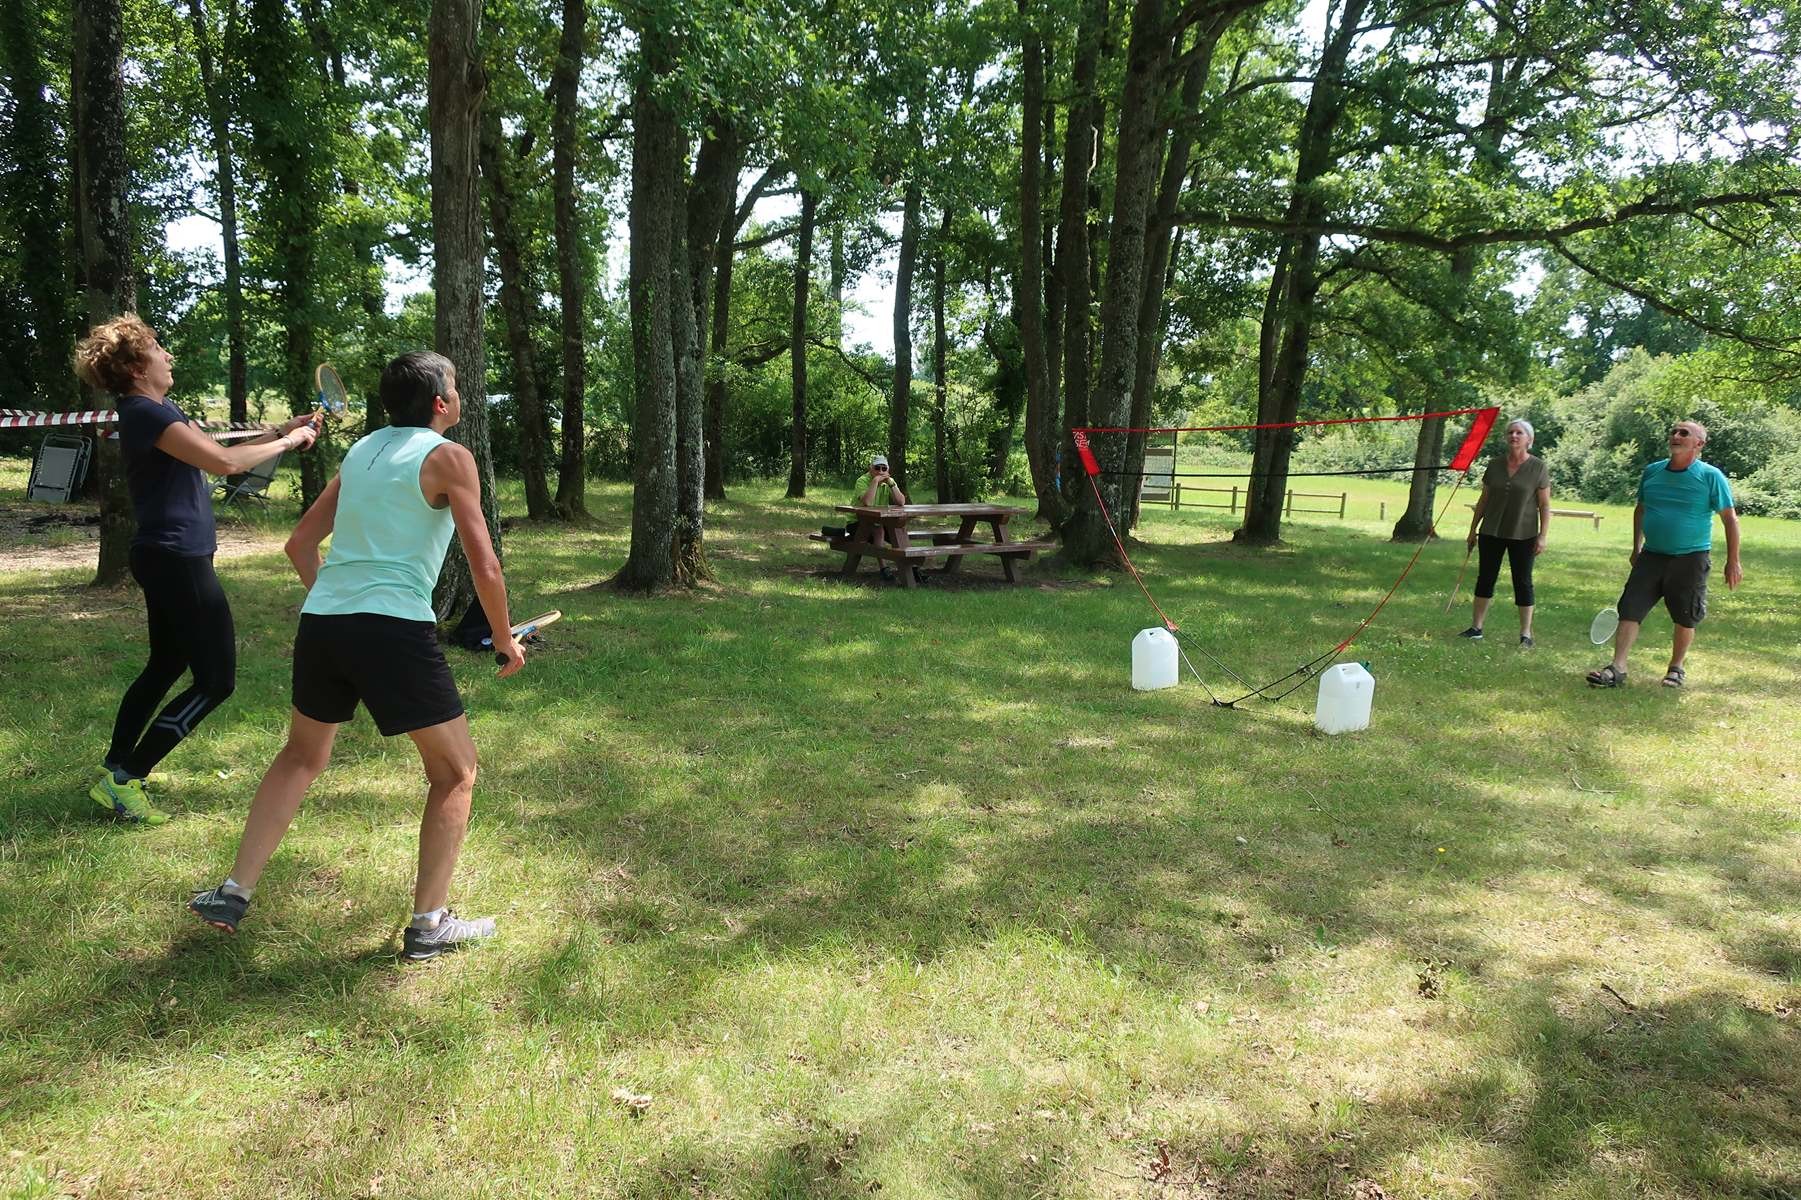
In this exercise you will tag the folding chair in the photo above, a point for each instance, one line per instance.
(251, 485)
(62, 463)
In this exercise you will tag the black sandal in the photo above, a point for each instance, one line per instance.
(1674, 677)
(1607, 677)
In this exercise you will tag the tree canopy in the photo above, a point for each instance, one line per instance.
(1078, 212)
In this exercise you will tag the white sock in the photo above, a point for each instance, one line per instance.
(232, 887)
(427, 920)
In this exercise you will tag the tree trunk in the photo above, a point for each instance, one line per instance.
(717, 399)
(109, 279)
(283, 110)
(838, 273)
(797, 345)
(1158, 267)
(454, 102)
(657, 153)
(1028, 283)
(688, 547)
(571, 501)
(1150, 360)
(940, 396)
(710, 197)
(1009, 395)
(1416, 523)
(718, 359)
(520, 310)
(1051, 429)
(1072, 242)
(218, 109)
(1288, 309)
(899, 414)
(1086, 540)
(40, 214)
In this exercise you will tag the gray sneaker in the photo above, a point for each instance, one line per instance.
(450, 932)
(219, 909)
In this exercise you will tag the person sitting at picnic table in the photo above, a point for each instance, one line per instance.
(881, 492)
(882, 489)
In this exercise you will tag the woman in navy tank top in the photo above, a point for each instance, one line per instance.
(164, 455)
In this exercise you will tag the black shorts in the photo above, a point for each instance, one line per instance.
(395, 667)
(1679, 580)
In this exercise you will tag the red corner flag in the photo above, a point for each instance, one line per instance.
(1472, 441)
(1089, 463)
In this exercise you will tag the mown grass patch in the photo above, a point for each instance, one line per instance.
(872, 891)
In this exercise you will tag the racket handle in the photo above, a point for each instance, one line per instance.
(518, 635)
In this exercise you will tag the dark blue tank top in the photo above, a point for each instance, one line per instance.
(172, 500)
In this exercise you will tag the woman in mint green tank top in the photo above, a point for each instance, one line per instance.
(387, 543)
(368, 636)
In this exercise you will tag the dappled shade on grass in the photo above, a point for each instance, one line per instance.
(864, 886)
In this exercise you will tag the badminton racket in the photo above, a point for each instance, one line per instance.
(1601, 629)
(334, 401)
(1455, 588)
(525, 629)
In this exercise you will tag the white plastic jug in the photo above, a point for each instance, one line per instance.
(1345, 692)
(1153, 660)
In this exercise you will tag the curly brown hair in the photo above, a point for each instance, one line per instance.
(114, 353)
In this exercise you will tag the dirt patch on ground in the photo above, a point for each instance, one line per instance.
(37, 537)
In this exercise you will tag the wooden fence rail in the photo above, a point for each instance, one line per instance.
(1178, 498)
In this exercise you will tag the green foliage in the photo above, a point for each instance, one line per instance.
(1774, 489)
(1608, 432)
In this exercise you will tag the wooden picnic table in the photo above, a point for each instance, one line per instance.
(887, 533)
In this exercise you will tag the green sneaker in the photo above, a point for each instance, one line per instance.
(126, 801)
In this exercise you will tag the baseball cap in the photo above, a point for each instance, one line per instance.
(880, 460)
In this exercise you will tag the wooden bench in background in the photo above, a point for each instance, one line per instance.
(1596, 517)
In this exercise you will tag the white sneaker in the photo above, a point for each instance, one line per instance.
(450, 932)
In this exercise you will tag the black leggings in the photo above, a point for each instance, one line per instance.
(1519, 559)
(190, 630)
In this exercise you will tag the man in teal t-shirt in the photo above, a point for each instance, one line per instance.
(1672, 550)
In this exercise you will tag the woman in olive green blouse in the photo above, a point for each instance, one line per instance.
(1511, 518)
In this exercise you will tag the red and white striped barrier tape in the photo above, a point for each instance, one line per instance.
(18, 418)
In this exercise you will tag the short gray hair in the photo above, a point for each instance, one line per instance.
(1523, 423)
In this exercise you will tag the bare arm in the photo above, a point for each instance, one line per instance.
(1735, 573)
(894, 490)
(449, 475)
(1638, 528)
(315, 526)
(1544, 519)
(187, 444)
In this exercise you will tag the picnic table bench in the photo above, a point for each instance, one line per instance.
(883, 533)
(1596, 517)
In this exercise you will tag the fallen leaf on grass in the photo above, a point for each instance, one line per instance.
(637, 1102)
(1368, 1189)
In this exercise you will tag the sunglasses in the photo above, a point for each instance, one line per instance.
(1679, 431)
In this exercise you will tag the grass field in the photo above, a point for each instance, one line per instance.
(821, 888)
